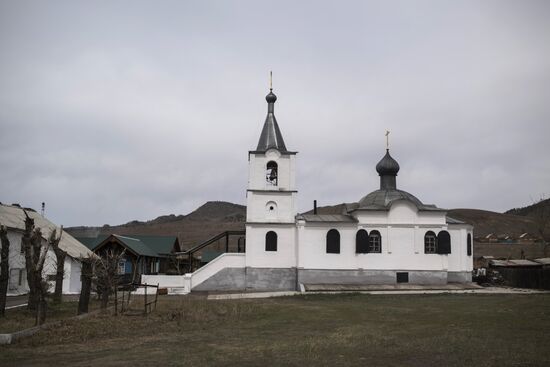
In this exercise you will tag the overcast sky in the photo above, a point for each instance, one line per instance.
(112, 111)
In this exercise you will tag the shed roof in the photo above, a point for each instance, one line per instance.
(514, 263)
(14, 217)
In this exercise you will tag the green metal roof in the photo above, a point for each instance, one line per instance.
(159, 244)
(153, 246)
(136, 245)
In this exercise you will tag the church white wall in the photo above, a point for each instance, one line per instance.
(258, 257)
(401, 212)
(398, 250)
(258, 207)
(402, 249)
(458, 258)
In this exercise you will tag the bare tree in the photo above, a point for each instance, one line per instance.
(85, 289)
(60, 256)
(35, 251)
(4, 268)
(26, 245)
(106, 274)
(541, 217)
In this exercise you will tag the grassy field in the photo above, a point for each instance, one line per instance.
(20, 318)
(312, 330)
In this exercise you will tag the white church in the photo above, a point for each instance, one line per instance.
(387, 237)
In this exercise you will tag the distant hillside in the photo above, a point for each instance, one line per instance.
(532, 210)
(486, 222)
(206, 221)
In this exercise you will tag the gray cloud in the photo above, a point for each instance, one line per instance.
(113, 111)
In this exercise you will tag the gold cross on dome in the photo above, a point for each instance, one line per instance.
(387, 139)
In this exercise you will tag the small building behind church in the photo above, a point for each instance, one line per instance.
(388, 236)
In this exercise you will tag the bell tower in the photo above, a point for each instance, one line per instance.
(271, 194)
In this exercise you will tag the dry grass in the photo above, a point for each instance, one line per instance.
(320, 330)
(20, 318)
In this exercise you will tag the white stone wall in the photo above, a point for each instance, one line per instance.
(286, 170)
(71, 281)
(258, 207)
(258, 257)
(402, 249)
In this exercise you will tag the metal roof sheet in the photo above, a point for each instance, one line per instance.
(136, 245)
(519, 262)
(14, 217)
(327, 218)
(271, 137)
(450, 220)
(145, 245)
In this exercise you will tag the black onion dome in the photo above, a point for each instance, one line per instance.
(387, 165)
(271, 97)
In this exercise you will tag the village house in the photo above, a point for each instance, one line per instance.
(13, 217)
(142, 254)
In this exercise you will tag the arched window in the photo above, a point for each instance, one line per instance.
(271, 173)
(430, 243)
(361, 242)
(271, 241)
(443, 242)
(469, 244)
(375, 242)
(333, 242)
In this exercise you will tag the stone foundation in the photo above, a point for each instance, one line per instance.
(322, 276)
(288, 279)
(459, 277)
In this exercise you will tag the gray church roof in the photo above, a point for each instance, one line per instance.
(271, 137)
(383, 199)
(327, 218)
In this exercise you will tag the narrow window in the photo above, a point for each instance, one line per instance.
(375, 242)
(361, 242)
(271, 241)
(333, 242)
(469, 244)
(430, 243)
(443, 243)
(271, 173)
(121, 267)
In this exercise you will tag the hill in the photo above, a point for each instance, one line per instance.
(206, 221)
(486, 222)
(534, 210)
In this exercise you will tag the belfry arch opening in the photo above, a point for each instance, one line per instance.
(272, 173)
